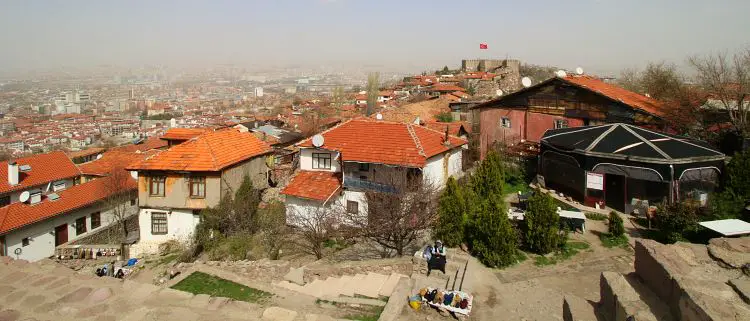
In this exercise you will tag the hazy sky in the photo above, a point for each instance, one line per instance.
(600, 35)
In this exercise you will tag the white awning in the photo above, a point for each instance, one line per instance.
(730, 227)
(572, 214)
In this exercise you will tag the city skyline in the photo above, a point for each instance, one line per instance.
(411, 36)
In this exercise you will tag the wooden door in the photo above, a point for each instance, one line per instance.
(61, 234)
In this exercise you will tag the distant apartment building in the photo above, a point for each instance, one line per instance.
(176, 184)
(37, 176)
(258, 92)
(13, 144)
(70, 102)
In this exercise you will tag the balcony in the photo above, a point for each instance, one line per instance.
(357, 183)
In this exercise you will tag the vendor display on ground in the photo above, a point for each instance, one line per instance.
(454, 301)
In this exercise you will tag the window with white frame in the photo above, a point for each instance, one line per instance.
(561, 123)
(352, 207)
(321, 161)
(505, 122)
(58, 186)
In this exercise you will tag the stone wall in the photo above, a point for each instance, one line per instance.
(323, 271)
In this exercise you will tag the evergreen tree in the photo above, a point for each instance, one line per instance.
(492, 238)
(488, 179)
(541, 224)
(246, 200)
(616, 227)
(738, 176)
(451, 214)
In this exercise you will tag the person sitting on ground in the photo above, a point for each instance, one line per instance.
(437, 260)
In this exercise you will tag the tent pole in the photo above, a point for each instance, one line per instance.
(671, 184)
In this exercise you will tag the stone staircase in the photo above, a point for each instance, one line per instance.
(360, 288)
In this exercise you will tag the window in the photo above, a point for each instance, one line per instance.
(25, 241)
(561, 123)
(81, 225)
(158, 223)
(156, 186)
(505, 122)
(96, 220)
(5, 200)
(321, 161)
(352, 207)
(58, 186)
(133, 201)
(364, 167)
(197, 187)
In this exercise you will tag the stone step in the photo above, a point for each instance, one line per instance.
(390, 284)
(353, 284)
(314, 288)
(371, 285)
(620, 299)
(290, 286)
(346, 289)
(331, 287)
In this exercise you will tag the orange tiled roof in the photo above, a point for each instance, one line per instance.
(385, 142)
(20, 214)
(146, 145)
(184, 133)
(45, 168)
(112, 160)
(445, 88)
(211, 152)
(614, 92)
(313, 185)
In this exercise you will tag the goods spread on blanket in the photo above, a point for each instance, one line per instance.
(454, 301)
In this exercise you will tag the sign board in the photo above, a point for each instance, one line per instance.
(595, 181)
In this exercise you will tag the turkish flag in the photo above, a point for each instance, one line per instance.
(483, 46)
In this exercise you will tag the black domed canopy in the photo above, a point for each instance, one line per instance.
(632, 151)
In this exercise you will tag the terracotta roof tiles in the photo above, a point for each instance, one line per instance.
(212, 152)
(20, 214)
(384, 142)
(627, 97)
(45, 168)
(317, 186)
(184, 133)
(112, 160)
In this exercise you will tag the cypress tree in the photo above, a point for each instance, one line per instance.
(451, 214)
(541, 224)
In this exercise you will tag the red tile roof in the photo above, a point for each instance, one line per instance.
(20, 214)
(211, 152)
(614, 92)
(85, 152)
(385, 142)
(45, 168)
(184, 133)
(313, 185)
(112, 160)
(445, 88)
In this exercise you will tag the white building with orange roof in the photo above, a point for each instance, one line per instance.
(338, 166)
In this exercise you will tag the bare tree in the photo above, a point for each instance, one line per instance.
(400, 207)
(273, 229)
(727, 78)
(630, 79)
(121, 189)
(315, 226)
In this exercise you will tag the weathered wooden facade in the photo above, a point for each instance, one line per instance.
(562, 102)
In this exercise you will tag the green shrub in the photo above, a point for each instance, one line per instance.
(616, 227)
(492, 238)
(676, 220)
(451, 215)
(444, 117)
(596, 216)
(540, 227)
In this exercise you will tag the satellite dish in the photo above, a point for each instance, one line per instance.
(99, 156)
(526, 82)
(579, 71)
(499, 92)
(561, 73)
(318, 140)
(24, 197)
(379, 116)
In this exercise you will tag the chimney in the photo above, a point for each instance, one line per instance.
(446, 140)
(12, 173)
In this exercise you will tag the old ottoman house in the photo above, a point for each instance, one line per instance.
(31, 229)
(560, 102)
(176, 184)
(339, 165)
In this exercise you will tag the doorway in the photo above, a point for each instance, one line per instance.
(614, 192)
(61, 235)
